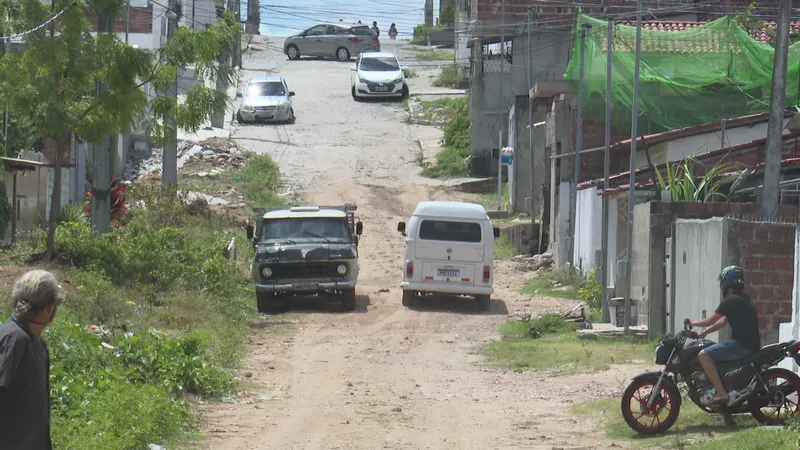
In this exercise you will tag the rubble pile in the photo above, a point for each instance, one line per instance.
(221, 153)
(526, 263)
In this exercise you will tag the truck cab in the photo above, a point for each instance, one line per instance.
(305, 250)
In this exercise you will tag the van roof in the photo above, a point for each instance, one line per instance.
(462, 210)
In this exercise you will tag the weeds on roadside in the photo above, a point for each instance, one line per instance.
(409, 73)
(558, 348)
(450, 76)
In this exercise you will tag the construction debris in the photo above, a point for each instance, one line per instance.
(611, 331)
(543, 261)
(221, 153)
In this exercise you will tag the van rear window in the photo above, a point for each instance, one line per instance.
(440, 230)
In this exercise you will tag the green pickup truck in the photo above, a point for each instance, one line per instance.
(305, 250)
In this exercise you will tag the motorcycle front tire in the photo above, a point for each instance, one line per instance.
(675, 399)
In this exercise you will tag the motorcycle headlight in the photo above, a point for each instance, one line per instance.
(398, 80)
(342, 269)
(266, 272)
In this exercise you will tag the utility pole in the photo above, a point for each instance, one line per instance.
(253, 19)
(101, 173)
(776, 107)
(632, 181)
(502, 105)
(169, 170)
(193, 9)
(127, 20)
(606, 169)
(237, 50)
(531, 121)
(218, 118)
(573, 198)
(6, 47)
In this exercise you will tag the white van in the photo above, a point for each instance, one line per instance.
(449, 250)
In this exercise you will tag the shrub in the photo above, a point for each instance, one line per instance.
(456, 129)
(450, 76)
(262, 177)
(409, 73)
(590, 291)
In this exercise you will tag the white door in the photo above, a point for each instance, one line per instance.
(698, 260)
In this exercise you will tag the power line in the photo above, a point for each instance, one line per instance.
(41, 25)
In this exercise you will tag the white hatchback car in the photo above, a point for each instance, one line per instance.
(378, 74)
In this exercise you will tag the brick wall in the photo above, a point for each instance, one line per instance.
(141, 21)
(692, 210)
(764, 250)
(766, 253)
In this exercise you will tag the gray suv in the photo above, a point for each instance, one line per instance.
(332, 40)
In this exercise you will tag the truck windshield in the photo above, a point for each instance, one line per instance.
(306, 230)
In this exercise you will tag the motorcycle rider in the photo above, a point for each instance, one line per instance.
(738, 311)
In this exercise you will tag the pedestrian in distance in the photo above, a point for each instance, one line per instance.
(393, 32)
(25, 363)
(376, 29)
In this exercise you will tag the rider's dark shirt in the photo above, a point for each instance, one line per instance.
(743, 319)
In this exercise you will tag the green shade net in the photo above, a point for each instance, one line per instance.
(689, 77)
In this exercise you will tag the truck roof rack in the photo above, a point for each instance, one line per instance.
(347, 207)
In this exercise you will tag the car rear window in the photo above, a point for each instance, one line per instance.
(441, 230)
(361, 31)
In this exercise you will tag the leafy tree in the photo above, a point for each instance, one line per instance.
(53, 80)
(447, 16)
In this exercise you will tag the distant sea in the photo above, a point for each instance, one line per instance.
(286, 17)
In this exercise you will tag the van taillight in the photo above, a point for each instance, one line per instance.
(486, 273)
(410, 269)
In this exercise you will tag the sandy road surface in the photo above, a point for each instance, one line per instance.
(385, 376)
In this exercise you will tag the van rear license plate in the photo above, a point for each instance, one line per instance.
(450, 273)
(307, 286)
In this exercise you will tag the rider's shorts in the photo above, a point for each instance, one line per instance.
(727, 351)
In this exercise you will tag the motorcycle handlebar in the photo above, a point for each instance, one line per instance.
(687, 325)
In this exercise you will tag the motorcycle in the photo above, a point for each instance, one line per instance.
(755, 386)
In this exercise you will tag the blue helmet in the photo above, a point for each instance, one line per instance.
(731, 277)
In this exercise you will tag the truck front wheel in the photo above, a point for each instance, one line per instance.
(266, 302)
(349, 299)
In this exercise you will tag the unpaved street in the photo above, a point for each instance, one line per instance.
(384, 376)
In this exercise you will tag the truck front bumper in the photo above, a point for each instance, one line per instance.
(298, 287)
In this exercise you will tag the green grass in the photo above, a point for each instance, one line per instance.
(559, 349)
(694, 429)
(504, 248)
(427, 54)
(450, 163)
(449, 76)
(440, 109)
(555, 283)
(409, 73)
(259, 180)
(489, 199)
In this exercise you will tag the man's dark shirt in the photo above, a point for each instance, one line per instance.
(24, 388)
(743, 319)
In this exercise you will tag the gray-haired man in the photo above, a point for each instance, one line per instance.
(25, 363)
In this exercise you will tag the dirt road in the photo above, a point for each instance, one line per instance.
(385, 376)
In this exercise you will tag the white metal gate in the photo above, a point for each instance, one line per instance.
(698, 260)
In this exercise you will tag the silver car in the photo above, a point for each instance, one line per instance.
(266, 99)
(331, 40)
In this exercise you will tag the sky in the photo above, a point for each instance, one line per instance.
(287, 17)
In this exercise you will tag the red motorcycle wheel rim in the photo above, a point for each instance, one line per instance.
(789, 394)
(659, 412)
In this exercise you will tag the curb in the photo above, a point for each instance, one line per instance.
(414, 121)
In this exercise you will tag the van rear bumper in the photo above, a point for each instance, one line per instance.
(447, 288)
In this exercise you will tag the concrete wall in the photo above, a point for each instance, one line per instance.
(520, 140)
(494, 85)
(524, 236)
(462, 36)
(640, 264)
(680, 148)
